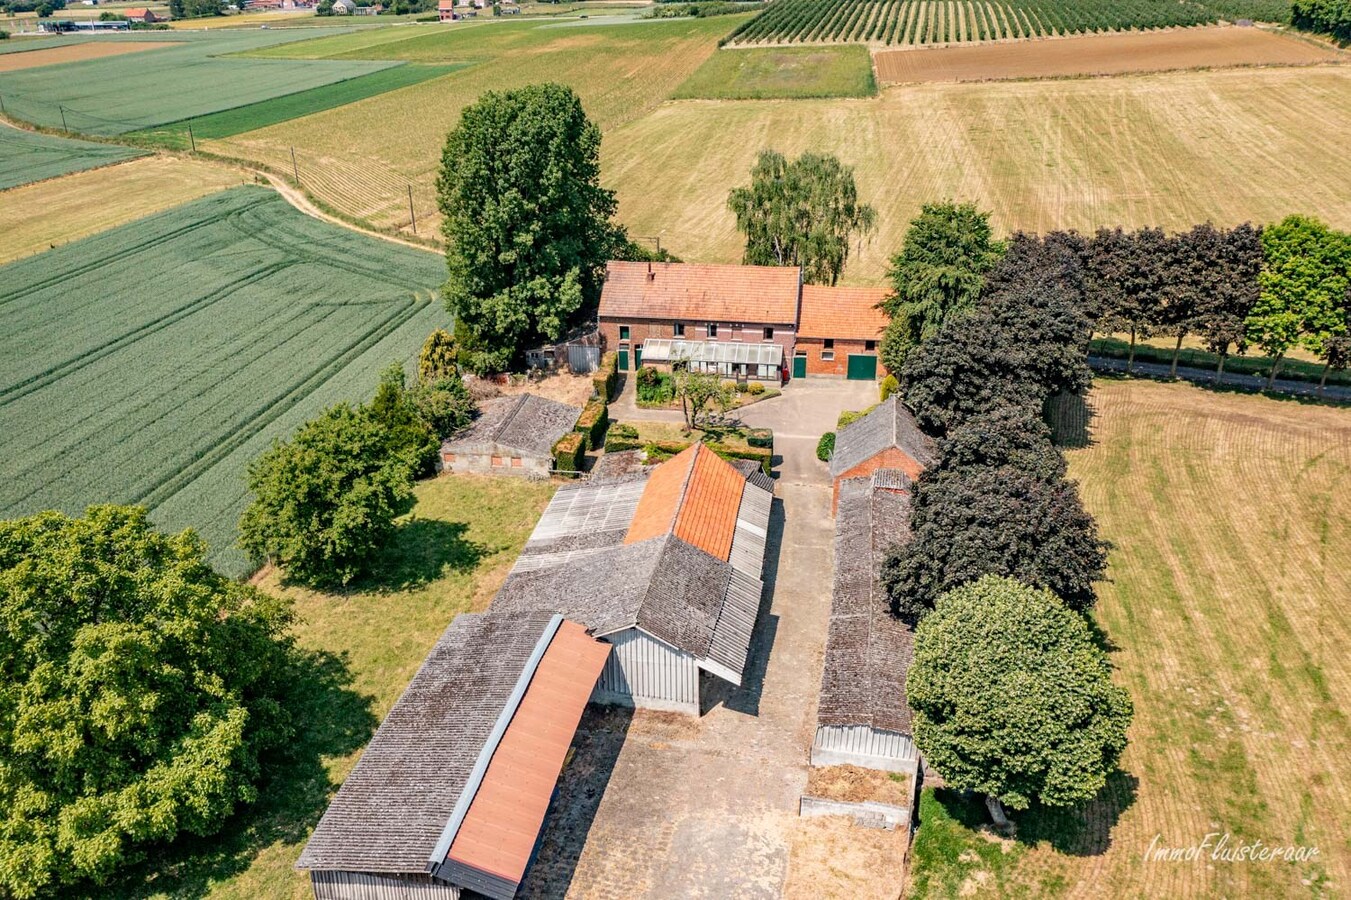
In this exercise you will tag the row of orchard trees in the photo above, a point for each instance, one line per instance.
(1012, 693)
(1323, 16)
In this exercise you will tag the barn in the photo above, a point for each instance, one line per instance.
(888, 437)
(839, 332)
(736, 321)
(863, 718)
(451, 793)
(664, 564)
(511, 436)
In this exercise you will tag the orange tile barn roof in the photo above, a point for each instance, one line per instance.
(845, 313)
(755, 294)
(695, 495)
(504, 819)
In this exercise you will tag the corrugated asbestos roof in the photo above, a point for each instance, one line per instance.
(687, 291)
(390, 812)
(504, 819)
(889, 424)
(868, 651)
(527, 424)
(686, 568)
(846, 313)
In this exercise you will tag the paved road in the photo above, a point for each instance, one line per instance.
(1207, 376)
(660, 805)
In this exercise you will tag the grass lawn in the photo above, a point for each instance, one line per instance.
(782, 73)
(26, 157)
(449, 556)
(1225, 617)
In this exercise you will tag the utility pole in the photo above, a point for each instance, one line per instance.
(295, 168)
(2, 106)
(192, 139)
(412, 215)
(62, 109)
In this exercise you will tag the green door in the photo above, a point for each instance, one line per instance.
(862, 367)
(637, 357)
(623, 359)
(800, 365)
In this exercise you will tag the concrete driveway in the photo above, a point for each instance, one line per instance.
(660, 805)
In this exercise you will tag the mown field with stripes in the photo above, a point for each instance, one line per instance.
(151, 363)
(927, 22)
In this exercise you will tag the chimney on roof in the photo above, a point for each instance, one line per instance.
(651, 276)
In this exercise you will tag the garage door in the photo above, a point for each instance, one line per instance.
(862, 367)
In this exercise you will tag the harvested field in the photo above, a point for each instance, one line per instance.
(1102, 54)
(853, 784)
(50, 56)
(782, 73)
(1225, 616)
(26, 156)
(151, 363)
(38, 217)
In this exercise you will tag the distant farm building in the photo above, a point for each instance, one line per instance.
(840, 331)
(445, 10)
(451, 793)
(141, 14)
(665, 564)
(886, 438)
(344, 7)
(863, 717)
(511, 436)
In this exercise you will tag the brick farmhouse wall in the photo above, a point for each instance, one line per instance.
(816, 365)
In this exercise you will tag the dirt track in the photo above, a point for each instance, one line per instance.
(1101, 54)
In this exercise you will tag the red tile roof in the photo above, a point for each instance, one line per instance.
(504, 819)
(695, 495)
(845, 313)
(745, 294)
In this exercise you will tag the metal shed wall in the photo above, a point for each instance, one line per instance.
(859, 745)
(369, 886)
(647, 673)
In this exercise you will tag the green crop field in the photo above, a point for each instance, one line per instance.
(151, 363)
(291, 106)
(26, 157)
(116, 94)
(770, 73)
(916, 22)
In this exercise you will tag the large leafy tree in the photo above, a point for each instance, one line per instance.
(995, 520)
(1125, 279)
(1013, 436)
(941, 267)
(801, 213)
(1013, 699)
(395, 409)
(1233, 289)
(1305, 275)
(324, 502)
(138, 689)
(526, 222)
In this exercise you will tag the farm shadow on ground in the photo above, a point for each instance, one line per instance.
(331, 720)
(421, 551)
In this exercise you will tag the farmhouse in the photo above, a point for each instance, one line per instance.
(863, 718)
(445, 10)
(344, 7)
(886, 438)
(737, 321)
(839, 332)
(141, 14)
(452, 791)
(511, 436)
(665, 565)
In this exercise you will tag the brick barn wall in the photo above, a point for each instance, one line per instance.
(890, 458)
(817, 366)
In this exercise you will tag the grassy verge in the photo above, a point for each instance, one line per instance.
(230, 122)
(782, 73)
(952, 854)
(1293, 369)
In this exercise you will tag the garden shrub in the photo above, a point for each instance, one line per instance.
(760, 437)
(825, 448)
(889, 386)
(655, 388)
(755, 388)
(621, 437)
(569, 451)
(740, 387)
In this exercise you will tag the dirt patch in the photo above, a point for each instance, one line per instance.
(563, 387)
(50, 56)
(832, 857)
(853, 784)
(1102, 54)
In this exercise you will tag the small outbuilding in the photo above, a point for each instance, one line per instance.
(863, 717)
(665, 564)
(840, 332)
(141, 14)
(451, 793)
(511, 436)
(888, 437)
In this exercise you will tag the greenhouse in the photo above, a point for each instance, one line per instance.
(732, 359)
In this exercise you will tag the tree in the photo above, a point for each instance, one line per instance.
(438, 357)
(698, 392)
(1305, 275)
(1224, 308)
(995, 520)
(140, 691)
(324, 503)
(1013, 699)
(941, 267)
(395, 410)
(897, 342)
(801, 213)
(1124, 280)
(1011, 436)
(526, 222)
(196, 9)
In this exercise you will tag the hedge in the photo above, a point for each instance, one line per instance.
(760, 437)
(607, 376)
(621, 437)
(593, 422)
(764, 457)
(569, 452)
(825, 448)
